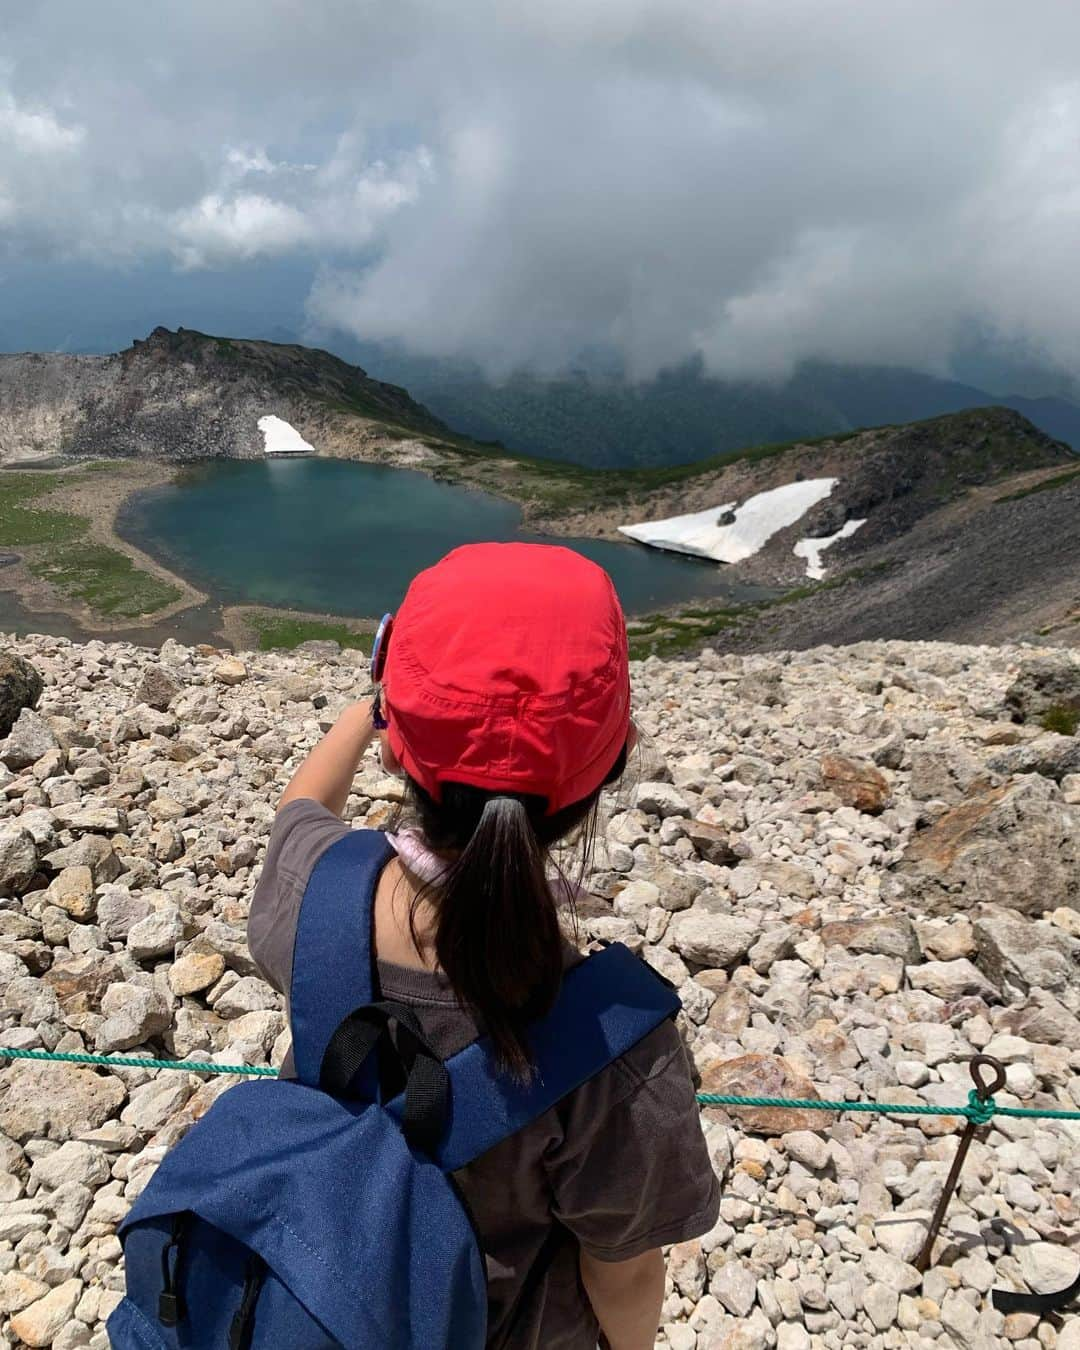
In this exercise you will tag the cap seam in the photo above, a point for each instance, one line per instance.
(443, 695)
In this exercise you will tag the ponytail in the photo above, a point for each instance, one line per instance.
(498, 938)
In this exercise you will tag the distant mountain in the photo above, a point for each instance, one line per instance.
(594, 416)
(187, 395)
(964, 527)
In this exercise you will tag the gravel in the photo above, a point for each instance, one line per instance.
(810, 846)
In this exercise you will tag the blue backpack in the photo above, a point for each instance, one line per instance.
(321, 1212)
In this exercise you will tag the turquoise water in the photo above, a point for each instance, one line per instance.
(337, 537)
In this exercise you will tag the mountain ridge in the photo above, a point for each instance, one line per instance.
(185, 395)
(927, 490)
(594, 415)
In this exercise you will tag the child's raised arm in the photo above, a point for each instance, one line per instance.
(327, 774)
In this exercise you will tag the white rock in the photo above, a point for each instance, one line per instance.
(249, 994)
(807, 1148)
(133, 1013)
(882, 1305)
(29, 739)
(156, 935)
(792, 1336)
(715, 940)
(72, 1161)
(903, 1234)
(661, 799)
(735, 1287)
(1048, 1266)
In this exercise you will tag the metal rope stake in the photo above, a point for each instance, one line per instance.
(982, 1095)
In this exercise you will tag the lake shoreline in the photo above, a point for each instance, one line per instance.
(98, 492)
(95, 496)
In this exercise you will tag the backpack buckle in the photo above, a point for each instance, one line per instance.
(170, 1305)
(170, 1308)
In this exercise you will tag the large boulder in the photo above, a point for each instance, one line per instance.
(1043, 684)
(55, 1101)
(1017, 845)
(29, 738)
(945, 772)
(765, 1076)
(157, 688)
(18, 858)
(1044, 1019)
(20, 687)
(887, 935)
(1051, 754)
(133, 1014)
(708, 939)
(857, 783)
(1026, 955)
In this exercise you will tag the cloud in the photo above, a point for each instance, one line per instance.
(754, 181)
(30, 132)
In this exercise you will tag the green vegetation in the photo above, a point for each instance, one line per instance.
(971, 447)
(556, 486)
(284, 632)
(1047, 485)
(1062, 719)
(60, 553)
(105, 579)
(23, 525)
(599, 415)
(686, 629)
(103, 465)
(667, 634)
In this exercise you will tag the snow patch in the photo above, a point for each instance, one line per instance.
(279, 438)
(812, 549)
(756, 521)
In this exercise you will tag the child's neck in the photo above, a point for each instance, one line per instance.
(398, 891)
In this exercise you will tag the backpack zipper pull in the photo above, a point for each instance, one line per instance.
(170, 1304)
(240, 1328)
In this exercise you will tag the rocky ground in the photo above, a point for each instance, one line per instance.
(859, 866)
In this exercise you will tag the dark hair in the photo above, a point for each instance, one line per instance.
(497, 933)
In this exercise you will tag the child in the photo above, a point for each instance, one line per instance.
(505, 706)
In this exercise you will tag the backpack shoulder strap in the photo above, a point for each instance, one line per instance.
(333, 960)
(607, 1003)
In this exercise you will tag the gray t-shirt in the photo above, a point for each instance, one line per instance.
(618, 1167)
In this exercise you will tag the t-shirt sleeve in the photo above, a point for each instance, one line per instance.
(632, 1170)
(302, 832)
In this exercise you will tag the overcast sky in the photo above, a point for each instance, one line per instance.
(757, 181)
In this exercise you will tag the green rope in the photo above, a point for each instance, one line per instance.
(978, 1109)
(127, 1062)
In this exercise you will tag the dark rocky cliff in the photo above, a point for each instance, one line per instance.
(186, 395)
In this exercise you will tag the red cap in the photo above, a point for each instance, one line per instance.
(507, 670)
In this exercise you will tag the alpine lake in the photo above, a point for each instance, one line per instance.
(335, 536)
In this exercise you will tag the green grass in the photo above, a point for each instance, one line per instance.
(668, 634)
(1061, 719)
(105, 579)
(556, 485)
(81, 569)
(24, 524)
(288, 633)
(103, 465)
(1047, 485)
(971, 455)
